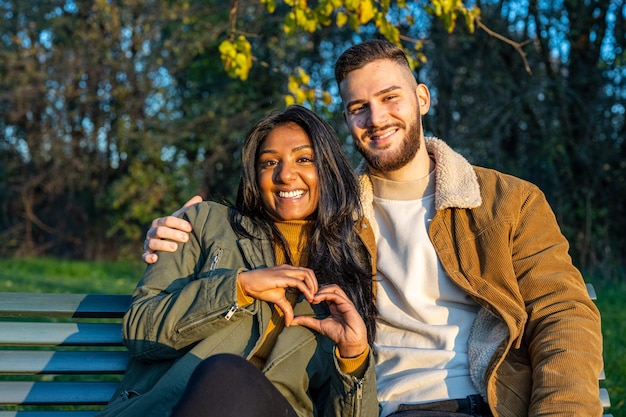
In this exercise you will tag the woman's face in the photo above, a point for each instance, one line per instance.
(287, 175)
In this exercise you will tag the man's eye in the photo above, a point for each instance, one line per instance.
(356, 110)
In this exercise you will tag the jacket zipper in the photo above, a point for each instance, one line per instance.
(231, 310)
(214, 261)
(359, 397)
(216, 258)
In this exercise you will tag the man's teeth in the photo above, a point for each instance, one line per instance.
(290, 194)
(385, 135)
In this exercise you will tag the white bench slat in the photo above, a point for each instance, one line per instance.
(16, 304)
(591, 291)
(60, 334)
(69, 413)
(604, 397)
(39, 393)
(30, 362)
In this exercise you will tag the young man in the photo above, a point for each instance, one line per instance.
(481, 311)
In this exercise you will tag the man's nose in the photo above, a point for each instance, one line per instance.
(377, 115)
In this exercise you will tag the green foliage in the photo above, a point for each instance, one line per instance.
(98, 141)
(553, 127)
(103, 139)
(237, 55)
(450, 10)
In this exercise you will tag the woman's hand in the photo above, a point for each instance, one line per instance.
(344, 326)
(270, 284)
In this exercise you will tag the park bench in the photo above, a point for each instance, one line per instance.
(61, 355)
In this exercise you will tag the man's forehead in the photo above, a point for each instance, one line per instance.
(377, 81)
(384, 70)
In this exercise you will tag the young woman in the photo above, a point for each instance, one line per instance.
(267, 310)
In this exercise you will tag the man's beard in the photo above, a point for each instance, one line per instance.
(387, 161)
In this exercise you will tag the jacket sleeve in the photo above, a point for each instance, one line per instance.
(186, 294)
(562, 333)
(351, 396)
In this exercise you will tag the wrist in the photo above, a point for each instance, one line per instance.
(352, 352)
(243, 298)
(353, 366)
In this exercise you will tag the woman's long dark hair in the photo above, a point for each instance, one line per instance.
(336, 253)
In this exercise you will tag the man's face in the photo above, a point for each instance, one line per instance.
(382, 107)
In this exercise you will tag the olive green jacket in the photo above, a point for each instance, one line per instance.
(536, 347)
(185, 309)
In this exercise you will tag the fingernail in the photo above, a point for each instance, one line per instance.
(173, 246)
(184, 237)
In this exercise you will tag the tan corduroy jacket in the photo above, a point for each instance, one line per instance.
(536, 345)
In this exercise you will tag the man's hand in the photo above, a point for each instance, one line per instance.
(344, 326)
(166, 231)
(270, 284)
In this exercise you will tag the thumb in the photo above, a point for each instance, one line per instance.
(287, 310)
(307, 321)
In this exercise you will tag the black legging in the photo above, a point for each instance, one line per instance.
(227, 385)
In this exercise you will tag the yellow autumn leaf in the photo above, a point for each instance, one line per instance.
(342, 19)
(366, 11)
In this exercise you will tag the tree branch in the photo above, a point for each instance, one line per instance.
(516, 45)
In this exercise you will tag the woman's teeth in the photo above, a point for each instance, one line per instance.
(291, 194)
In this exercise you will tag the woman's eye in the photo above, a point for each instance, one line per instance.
(267, 164)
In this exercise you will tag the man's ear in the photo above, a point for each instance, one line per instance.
(423, 97)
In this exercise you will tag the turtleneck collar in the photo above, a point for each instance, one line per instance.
(404, 190)
(297, 234)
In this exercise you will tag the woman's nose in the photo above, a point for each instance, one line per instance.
(285, 173)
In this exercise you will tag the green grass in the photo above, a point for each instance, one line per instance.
(51, 275)
(59, 276)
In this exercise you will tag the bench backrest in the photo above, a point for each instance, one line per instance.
(62, 354)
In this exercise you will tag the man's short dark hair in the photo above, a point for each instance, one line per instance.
(357, 56)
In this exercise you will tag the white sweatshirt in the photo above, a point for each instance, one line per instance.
(424, 319)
